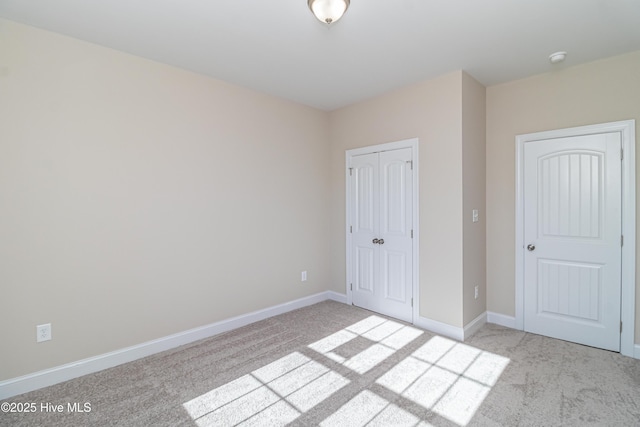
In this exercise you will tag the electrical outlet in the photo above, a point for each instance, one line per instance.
(43, 332)
(303, 276)
(474, 215)
(476, 292)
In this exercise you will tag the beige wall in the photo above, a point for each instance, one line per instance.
(433, 112)
(138, 200)
(474, 195)
(598, 92)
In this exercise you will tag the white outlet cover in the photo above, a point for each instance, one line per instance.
(43, 332)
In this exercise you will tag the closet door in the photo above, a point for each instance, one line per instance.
(381, 248)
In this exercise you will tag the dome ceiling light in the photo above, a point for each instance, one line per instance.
(328, 11)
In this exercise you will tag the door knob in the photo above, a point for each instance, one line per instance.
(381, 242)
(375, 241)
(531, 248)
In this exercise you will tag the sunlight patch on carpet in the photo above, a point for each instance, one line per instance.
(386, 337)
(450, 378)
(275, 394)
(443, 376)
(367, 408)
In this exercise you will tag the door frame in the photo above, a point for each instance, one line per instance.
(628, 256)
(412, 143)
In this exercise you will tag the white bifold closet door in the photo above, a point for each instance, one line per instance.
(381, 228)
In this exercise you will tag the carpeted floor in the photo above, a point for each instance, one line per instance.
(335, 365)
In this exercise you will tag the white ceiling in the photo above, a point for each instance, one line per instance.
(278, 47)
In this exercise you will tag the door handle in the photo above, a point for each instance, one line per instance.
(375, 241)
(531, 248)
(381, 242)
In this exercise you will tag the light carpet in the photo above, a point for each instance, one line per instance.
(336, 365)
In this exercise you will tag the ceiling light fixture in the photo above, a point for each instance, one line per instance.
(554, 58)
(328, 11)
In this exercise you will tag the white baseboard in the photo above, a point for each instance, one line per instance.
(335, 296)
(440, 328)
(636, 351)
(58, 374)
(454, 332)
(501, 319)
(473, 326)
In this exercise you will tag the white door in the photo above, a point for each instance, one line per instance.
(381, 230)
(572, 235)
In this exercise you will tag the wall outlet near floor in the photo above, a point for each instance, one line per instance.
(303, 276)
(474, 215)
(476, 292)
(43, 332)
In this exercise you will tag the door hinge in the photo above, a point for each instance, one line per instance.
(621, 240)
(412, 234)
(621, 326)
(410, 164)
(411, 302)
(351, 229)
(351, 286)
(622, 154)
(350, 171)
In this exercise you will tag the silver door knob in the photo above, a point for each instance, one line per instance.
(531, 248)
(375, 241)
(381, 242)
